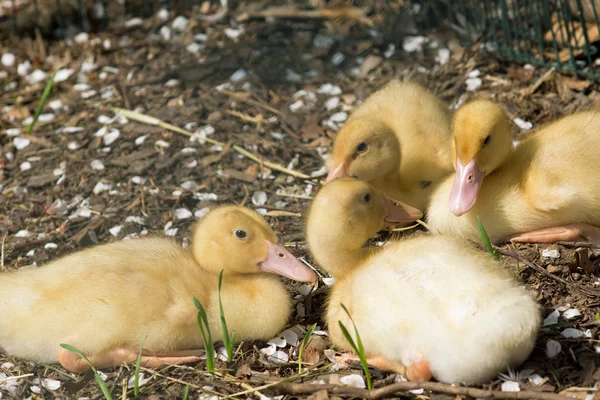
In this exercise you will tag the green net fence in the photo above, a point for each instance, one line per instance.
(563, 34)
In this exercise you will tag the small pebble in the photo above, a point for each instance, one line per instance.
(97, 165)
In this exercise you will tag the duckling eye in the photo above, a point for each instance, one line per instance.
(362, 147)
(367, 198)
(487, 140)
(240, 234)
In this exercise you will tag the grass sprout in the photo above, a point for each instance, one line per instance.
(206, 337)
(486, 240)
(228, 340)
(357, 346)
(136, 378)
(304, 344)
(43, 99)
(185, 392)
(101, 383)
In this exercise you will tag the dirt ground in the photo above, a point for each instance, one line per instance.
(280, 89)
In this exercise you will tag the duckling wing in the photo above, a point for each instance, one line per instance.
(563, 171)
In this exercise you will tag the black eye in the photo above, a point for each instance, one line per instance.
(487, 140)
(367, 198)
(362, 147)
(241, 234)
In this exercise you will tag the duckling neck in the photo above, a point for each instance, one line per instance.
(337, 259)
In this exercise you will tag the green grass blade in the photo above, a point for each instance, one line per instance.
(357, 346)
(136, 379)
(227, 340)
(206, 336)
(43, 100)
(304, 344)
(185, 392)
(486, 240)
(99, 380)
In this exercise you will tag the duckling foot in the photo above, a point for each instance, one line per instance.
(118, 355)
(418, 371)
(567, 233)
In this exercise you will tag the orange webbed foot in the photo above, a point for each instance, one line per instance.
(567, 233)
(417, 371)
(119, 355)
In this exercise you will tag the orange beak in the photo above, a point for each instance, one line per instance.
(338, 171)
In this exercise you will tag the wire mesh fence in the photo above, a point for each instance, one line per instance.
(563, 34)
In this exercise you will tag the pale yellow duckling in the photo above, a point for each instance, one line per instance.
(425, 305)
(545, 189)
(110, 299)
(398, 140)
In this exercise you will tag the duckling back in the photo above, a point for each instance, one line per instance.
(100, 291)
(449, 302)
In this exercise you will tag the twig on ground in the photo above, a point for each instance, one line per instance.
(291, 12)
(589, 245)
(169, 378)
(146, 119)
(531, 89)
(303, 388)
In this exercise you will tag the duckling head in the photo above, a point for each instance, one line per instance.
(481, 143)
(365, 149)
(344, 215)
(240, 241)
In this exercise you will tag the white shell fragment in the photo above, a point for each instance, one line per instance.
(259, 198)
(571, 313)
(141, 381)
(201, 212)
(353, 380)
(101, 187)
(279, 342)
(170, 231)
(279, 357)
(182, 213)
(552, 318)
(412, 44)
(290, 337)
(63, 74)
(510, 386)
(524, 125)
(8, 59)
(20, 143)
(572, 333)
(550, 253)
(553, 348)
(115, 230)
(97, 165)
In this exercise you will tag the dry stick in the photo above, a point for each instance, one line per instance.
(300, 388)
(243, 97)
(588, 245)
(146, 119)
(153, 372)
(530, 90)
(286, 12)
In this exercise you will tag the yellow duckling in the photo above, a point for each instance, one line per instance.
(426, 305)
(545, 189)
(110, 299)
(398, 140)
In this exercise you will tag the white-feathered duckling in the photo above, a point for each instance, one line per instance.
(110, 299)
(426, 305)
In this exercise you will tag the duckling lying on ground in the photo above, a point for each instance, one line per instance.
(545, 189)
(109, 300)
(425, 305)
(398, 140)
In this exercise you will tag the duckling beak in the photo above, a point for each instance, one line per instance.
(337, 172)
(281, 262)
(466, 187)
(400, 212)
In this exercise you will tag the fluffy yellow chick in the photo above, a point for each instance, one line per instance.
(110, 299)
(398, 140)
(425, 305)
(545, 189)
